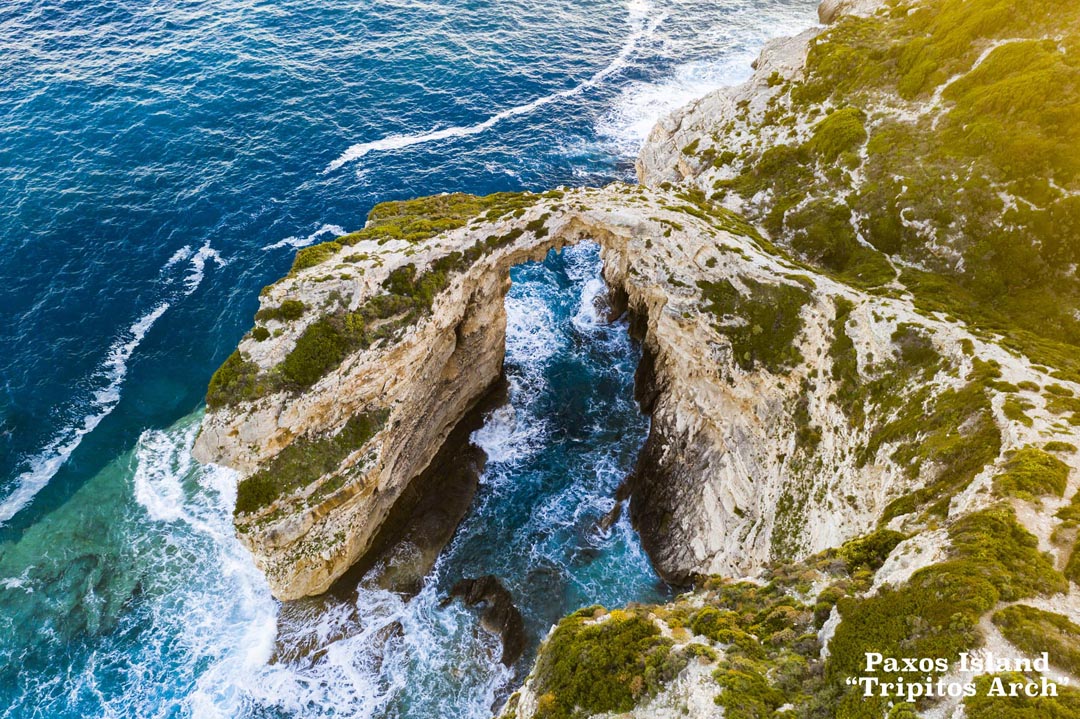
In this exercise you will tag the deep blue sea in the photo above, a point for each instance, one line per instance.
(160, 161)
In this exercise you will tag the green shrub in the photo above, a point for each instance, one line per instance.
(845, 364)
(318, 350)
(304, 461)
(287, 311)
(1030, 473)
(235, 381)
(260, 334)
(588, 667)
(769, 316)
(915, 348)
(982, 706)
(314, 255)
(956, 431)
(938, 179)
(870, 551)
(1015, 408)
(422, 218)
(1034, 631)
(841, 131)
(935, 614)
(418, 220)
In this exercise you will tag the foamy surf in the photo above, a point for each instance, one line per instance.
(227, 619)
(639, 11)
(43, 466)
(741, 34)
(298, 242)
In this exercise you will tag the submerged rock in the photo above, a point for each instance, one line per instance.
(500, 616)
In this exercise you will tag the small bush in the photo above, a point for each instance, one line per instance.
(1015, 408)
(840, 132)
(287, 311)
(315, 255)
(992, 558)
(983, 706)
(870, 551)
(1034, 631)
(1030, 473)
(320, 348)
(235, 381)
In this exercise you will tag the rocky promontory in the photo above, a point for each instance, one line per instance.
(854, 279)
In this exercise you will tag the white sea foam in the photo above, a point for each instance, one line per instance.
(194, 276)
(41, 467)
(531, 332)
(179, 256)
(503, 438)
(297, 242)
(641, 105)
(645, 28)
(161, 463)
(337, 659)
(45, 464)
(228, 620)
(738, 35)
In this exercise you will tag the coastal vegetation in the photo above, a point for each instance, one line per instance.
(409, 292)
(940, 133)
(761, 640)
(305, 460)
(597, 661)
(1030, 473)
(761, 322)
(1034, 631)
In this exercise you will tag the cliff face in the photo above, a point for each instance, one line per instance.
(850, 419)
(906, 484)
(759, 449)
(323, 465)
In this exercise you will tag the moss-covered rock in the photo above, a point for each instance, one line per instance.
(1031, 472)
(763, 323)
(304, 461)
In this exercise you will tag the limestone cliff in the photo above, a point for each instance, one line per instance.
(751, 456)
(730, 398)
(905, 157)
(859, 441)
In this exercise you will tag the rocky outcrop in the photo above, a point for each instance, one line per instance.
(860, 494)
(830, 10)
(657, 248)
(500, 616)
(751, 455)
(689, 140)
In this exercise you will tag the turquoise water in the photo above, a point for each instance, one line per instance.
(160, 161)
(167, 614)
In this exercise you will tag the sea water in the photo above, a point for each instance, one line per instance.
(160, 161)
